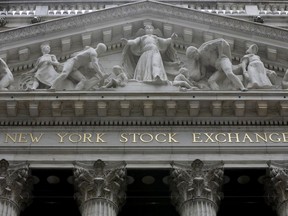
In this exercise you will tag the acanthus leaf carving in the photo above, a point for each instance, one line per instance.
(277, 186)
(100, 181)
(15, 183)
(200, 181)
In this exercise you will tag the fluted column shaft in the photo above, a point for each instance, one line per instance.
(99, 206)
(8, 208)
(100, 188)
(196, 189)
(199, 207)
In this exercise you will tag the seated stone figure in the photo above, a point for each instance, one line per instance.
(6, 77)
(85, 58)
(254, 72)
(121, 78)
(215, 55)
(45, 68)
(182, 81)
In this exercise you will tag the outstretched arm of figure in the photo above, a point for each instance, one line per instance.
(130, 42)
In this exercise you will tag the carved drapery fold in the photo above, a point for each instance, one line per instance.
(100, 188)
(15, 188)
(277, 187)
(196, 190)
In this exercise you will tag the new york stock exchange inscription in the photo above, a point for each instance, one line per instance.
(142, 138)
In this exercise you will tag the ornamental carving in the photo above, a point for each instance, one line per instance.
(277, 185)
(15, 183)
(200, 181)
(100, 180)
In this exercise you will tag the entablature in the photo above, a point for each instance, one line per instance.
(145, 108)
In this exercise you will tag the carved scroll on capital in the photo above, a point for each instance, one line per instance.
(15, 187)
(105, 182)
(201, 183)
(277, 187)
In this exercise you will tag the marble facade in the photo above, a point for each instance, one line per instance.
(104, 89)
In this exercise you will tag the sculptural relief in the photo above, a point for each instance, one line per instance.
(285, 80)
(144, 57)
(6, 77)
(87, 59)
(46, 70)
(120, 78)
(215, 55)
(182, 81)
(255, 74)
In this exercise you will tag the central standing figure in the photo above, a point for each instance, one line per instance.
(153, 52)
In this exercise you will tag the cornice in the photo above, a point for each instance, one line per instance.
(144, 8)
(144, 108)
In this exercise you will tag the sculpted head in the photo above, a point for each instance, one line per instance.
(184, 71)
(45, 48)
(149, 29)
(117, 70)
(253, 49)
(101, 48)
(192, 53)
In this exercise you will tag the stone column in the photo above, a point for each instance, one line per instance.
(196, 190)
(15, 188)
(277, 187)
(100, 188)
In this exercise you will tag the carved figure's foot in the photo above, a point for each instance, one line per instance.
(244, 89)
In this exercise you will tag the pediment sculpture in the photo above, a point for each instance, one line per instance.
(148, 60)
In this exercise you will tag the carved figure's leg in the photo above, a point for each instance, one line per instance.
(35, 84)
(5, 82)
(78, 76)
(214, 78)
(67, 69)
(226, 66)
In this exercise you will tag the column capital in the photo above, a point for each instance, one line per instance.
(100, 181)
(277, 186)
(198, 182)
(15, 184)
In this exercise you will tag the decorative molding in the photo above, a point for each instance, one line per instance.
(148, 8)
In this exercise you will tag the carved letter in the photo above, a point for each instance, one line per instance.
(217, 137)
(35, 138)
(22, 138)
(157, 139)
(75, 135)
(99, 137)
(123, 138)
(171, 139)
(246, 136)
(277, 139)
(196, 137)
(13, 138)
(209, 137)
(230, 137)
(87, 136)
(62, 137)
(262, 138)
(146, 134)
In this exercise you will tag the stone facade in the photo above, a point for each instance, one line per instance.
(197, 89)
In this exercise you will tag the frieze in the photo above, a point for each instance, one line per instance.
(137, 137)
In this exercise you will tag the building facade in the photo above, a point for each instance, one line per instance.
(143, 107)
